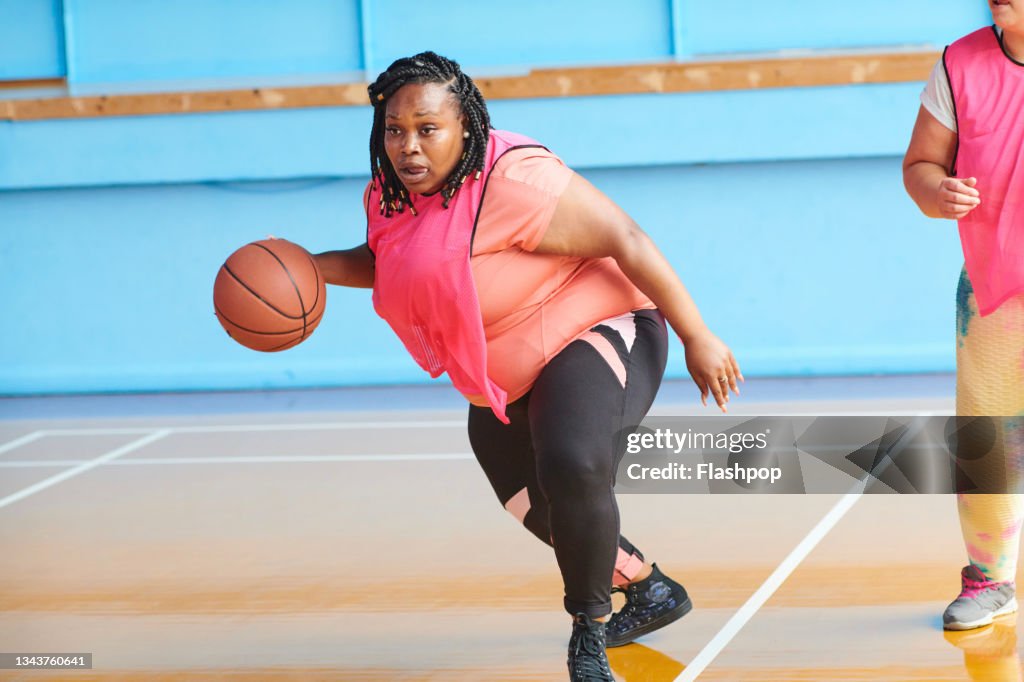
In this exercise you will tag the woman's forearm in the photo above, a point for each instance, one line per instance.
(646, 267)
(923, 180)
(349, 268)
(587, 224)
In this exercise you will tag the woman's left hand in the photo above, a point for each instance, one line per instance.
(713, 368)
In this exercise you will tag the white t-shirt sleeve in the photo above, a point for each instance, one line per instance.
(937, 98)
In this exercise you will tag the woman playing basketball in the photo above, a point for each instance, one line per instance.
(546, 306)
(966, 162)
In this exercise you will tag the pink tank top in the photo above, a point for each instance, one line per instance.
(988, 95)
(423, 285)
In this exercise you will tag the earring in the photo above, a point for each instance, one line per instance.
(465, 134)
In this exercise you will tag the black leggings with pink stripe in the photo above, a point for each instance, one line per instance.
(553, 467)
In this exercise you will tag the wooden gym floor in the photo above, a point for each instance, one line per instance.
(349, 535)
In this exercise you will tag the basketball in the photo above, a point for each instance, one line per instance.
(269, 295)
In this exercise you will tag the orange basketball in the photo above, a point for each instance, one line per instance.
(269, 295)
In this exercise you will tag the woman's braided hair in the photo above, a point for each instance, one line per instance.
(426, 67)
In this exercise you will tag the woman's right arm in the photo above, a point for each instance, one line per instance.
(348, 268)
(930, 153)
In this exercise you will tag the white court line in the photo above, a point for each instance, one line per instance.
(422, 424)
(768, 588)
(795, 557)
(250, 459)
(82, 468)
(241, 428)
(24, 440)
(356, 457)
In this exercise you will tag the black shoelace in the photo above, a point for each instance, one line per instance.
(589, 661)
(632, 612)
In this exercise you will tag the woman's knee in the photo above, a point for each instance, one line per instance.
(574, 471)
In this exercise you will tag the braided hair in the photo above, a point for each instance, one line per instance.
(426, 67)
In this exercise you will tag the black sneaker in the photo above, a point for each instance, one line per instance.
(587, 659)
(651, 603)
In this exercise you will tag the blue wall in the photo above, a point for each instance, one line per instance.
(151, 40)
(141, 43)
(31, 39)
(753, 25)
(783, 210)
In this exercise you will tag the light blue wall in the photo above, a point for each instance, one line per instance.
(783, 210)
(31, 39)
(590, 132)
(153, 40)
(790, 265)
(143, 43)
(752, 25)
(532, 32)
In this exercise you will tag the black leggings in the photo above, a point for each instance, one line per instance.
(553, 466)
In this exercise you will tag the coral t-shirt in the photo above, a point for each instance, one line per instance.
(534, 305)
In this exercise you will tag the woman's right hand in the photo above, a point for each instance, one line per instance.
(957, 197)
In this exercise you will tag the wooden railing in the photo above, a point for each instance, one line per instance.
(690, 76)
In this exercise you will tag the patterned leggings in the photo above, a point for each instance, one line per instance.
(553, 466)
(990, 382)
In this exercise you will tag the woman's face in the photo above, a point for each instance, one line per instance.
(423, 135)
(1008, 14)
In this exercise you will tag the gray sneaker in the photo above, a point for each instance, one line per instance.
(979, 602)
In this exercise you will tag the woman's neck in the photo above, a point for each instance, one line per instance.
(1013, 43)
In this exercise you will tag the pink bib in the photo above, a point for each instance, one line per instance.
(423, 285)
(988, 94)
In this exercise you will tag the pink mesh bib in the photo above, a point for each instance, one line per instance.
(423, 285)
(988, 92)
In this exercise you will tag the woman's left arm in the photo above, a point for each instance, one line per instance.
(588, 224)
